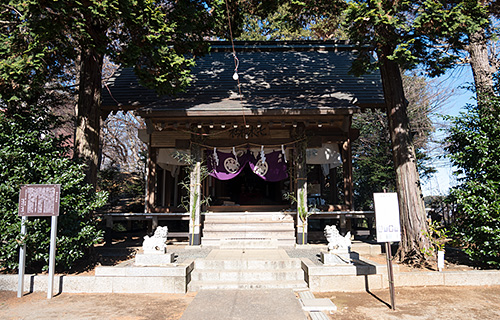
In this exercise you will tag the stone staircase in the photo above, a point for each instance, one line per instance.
(262, 230)
(247, 269)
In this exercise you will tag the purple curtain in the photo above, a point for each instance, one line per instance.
(273, 169)
(225, 166)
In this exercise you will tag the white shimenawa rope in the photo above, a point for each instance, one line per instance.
(262, 155)
(235, 155)
(284, 153)
(216, 157)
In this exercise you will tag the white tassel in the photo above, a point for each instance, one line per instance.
(262, 155)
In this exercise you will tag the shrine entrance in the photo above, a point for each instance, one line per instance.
(247, 189)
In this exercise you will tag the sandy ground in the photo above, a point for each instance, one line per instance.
(436, 303)
(411, 303)
(93, 306)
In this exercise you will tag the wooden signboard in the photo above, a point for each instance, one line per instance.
(39, 200)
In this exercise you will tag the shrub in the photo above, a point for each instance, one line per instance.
(31, 154)
(474, 140)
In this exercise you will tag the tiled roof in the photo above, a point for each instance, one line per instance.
(273, 75)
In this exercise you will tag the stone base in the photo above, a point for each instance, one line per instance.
(330, 258)
(153, 259)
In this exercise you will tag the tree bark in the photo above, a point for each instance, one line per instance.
(88, 113)
(481, 67)
(411, 205)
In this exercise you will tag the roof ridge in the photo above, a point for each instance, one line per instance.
(284, 45)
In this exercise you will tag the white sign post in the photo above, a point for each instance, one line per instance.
(388, 229)
(39, 200)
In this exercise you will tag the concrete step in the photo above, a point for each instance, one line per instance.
(237, 275)
(205, 264)
(217, 285)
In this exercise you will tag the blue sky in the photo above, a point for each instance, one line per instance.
(455, 80)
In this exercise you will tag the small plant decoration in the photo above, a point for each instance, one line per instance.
(437, 236)
(186, 185)
(302, 210)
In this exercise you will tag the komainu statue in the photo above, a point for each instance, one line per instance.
(336, 242)
(157, 244)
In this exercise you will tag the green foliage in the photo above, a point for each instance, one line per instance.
(30, 154)
(303, 210)
(473, 148)
(420, 33)
(186, 183)
(40, 41)
(437, 236)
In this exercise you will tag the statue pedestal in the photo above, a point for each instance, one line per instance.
(338, 258)
(145, 259)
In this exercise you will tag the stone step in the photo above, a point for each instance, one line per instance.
(217, 285)
(248, 218)
(242, 234)
(248, 243)
(205, 264)
(248, 226)
(238, 275)
(368, 249)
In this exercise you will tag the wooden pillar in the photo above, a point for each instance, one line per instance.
(301, 180)
(151, 180)
(348, 189)
(195, 196)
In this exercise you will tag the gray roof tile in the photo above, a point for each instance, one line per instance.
(270, 79)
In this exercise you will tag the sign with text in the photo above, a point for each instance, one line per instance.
(387, 217)
(38, 200)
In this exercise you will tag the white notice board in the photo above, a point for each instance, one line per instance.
(387, 217)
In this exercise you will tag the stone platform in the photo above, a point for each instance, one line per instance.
(197, 268)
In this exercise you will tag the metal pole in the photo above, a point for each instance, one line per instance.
(391, 274)
(52, 256)
(22, 259)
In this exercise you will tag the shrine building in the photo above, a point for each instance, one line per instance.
(265, 132)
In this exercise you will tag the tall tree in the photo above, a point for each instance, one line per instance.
(474, 135)
(387, 28)
(158, 38)
(372, 158)
(459, 26)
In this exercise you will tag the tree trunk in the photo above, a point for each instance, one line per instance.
(88, 113)
(480, 64)
(411, 205)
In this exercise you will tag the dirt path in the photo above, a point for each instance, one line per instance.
(434, 303)
(93, 306)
